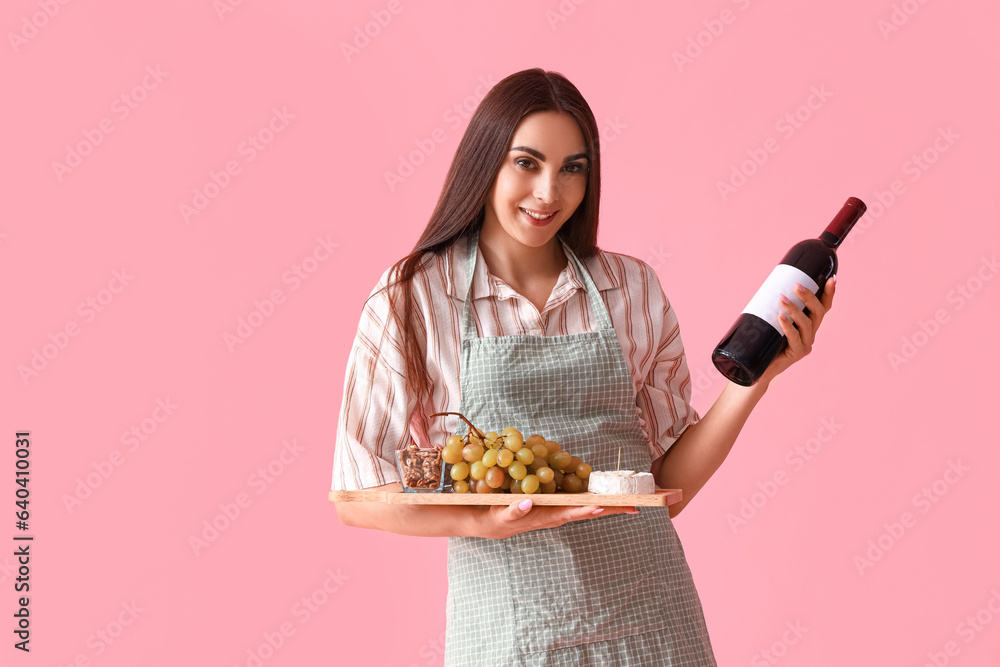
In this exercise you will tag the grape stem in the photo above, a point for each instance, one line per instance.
(482, 436)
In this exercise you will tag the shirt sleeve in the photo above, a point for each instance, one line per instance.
(375, 412)
(664, 397)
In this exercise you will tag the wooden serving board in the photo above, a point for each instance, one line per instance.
(660, 498)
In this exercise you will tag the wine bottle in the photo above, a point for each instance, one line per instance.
(756, 338)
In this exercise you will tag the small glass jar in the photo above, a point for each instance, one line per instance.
(420, 470)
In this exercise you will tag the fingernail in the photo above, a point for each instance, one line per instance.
(783, 298)
(833, 279)
(799, 288)
(634, 510)
(525, 504)
(598, 510)
(782, 315)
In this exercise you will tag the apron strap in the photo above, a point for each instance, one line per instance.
(598, 311)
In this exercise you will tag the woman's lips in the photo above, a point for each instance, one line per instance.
(538, 218)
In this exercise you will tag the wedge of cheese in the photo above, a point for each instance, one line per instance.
(620, 482)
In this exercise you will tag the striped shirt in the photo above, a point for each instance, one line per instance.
(377, 416)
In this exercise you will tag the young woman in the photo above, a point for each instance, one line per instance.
(507, 312)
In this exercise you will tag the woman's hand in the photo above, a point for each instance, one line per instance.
(703, 446)
(799, 328)
(505, 520)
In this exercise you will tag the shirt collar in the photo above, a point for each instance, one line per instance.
(486, 285)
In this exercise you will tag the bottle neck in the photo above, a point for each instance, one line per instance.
(831, 240)
(842, 223)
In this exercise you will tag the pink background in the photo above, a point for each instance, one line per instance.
(113, 554)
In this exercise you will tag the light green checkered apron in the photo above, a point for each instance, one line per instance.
(612, 590)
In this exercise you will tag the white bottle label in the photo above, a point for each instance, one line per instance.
(764, 303)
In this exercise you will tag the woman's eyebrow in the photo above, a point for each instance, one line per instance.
(537, 154)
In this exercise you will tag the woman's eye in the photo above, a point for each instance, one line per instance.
(524, 163)
(575, 168)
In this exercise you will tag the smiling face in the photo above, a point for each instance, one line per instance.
(541, 182)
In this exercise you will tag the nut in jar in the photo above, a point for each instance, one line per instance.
(420, 470)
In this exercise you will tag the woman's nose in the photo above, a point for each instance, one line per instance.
(547, 187)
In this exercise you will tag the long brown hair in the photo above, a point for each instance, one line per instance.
(461, 207)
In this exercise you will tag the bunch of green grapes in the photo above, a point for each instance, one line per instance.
(507, 462)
